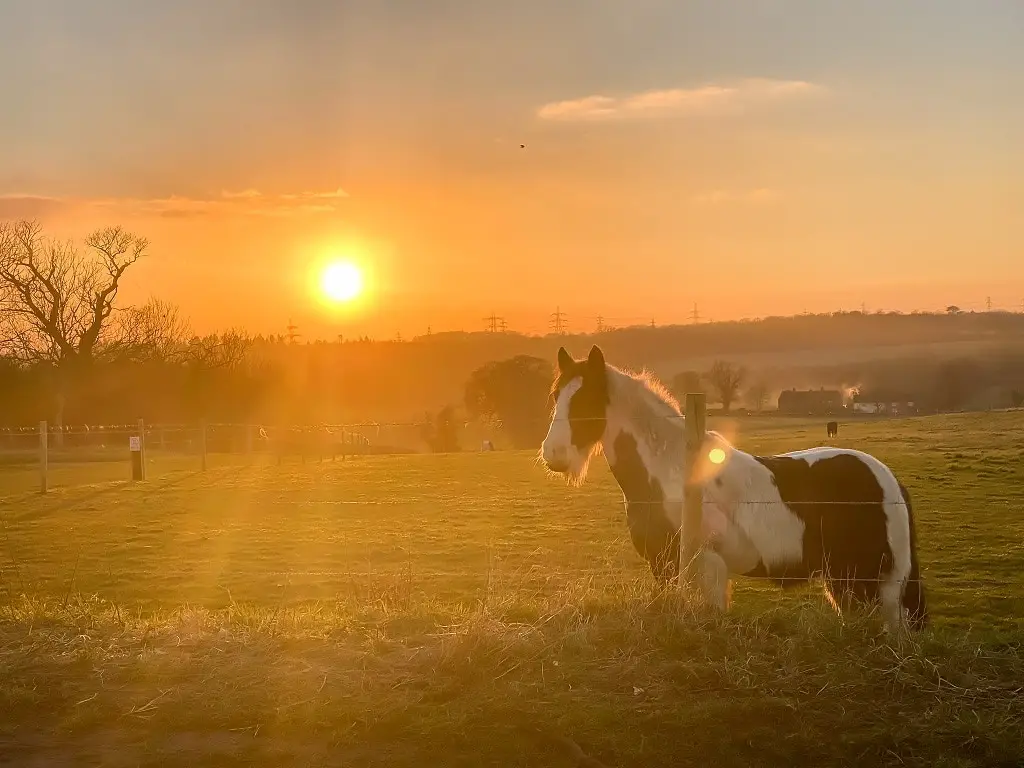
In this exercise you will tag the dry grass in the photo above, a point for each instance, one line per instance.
(635, 679)
(284, 617)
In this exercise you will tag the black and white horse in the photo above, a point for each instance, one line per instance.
(831, 512)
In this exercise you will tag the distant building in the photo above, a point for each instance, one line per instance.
(811, 402)
(885, 402)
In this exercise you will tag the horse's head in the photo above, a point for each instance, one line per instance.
(580, 395)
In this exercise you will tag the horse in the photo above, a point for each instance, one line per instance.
(832, 428)
(836, 513)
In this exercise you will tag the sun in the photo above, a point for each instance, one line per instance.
(341, 281)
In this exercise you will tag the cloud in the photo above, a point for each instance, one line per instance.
(249, 202)
(702, 100)
(761, 195)
(17, 206)
(244, 194)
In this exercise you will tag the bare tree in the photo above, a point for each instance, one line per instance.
(757, 395)
(154, 331)
(56, 302)
(726, 380)
(224, 350)
(685, 382)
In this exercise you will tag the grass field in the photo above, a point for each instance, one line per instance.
(439, 610)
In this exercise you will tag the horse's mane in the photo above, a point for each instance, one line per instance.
(651, 407)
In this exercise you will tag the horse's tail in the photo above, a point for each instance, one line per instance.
(913, 594)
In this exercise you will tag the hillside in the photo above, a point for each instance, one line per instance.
(781, 348)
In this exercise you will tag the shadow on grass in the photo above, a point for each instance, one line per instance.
(74, 497)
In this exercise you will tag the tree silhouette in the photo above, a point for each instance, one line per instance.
(441, 432)
(956, 381)
(512, 393)
(757, 395)
(684, 382)
(726, 379)
(57, 303)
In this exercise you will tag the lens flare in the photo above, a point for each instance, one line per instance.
(716, 455)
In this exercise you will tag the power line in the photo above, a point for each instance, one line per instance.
(988, 303)
(695, 314)
(293, 333)
(600, 324)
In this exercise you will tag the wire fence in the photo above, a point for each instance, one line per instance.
(128, 442)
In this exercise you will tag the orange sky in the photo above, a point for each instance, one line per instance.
(754, 158)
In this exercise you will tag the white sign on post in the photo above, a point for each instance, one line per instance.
(134, 444)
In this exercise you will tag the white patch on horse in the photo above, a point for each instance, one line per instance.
(654, 420)
(557, 447)
(753, 503)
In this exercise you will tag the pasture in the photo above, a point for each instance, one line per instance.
(465, 609)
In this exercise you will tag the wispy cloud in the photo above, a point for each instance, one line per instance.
(761, 195)
(702, 100)
(28, 206)
(248, 202)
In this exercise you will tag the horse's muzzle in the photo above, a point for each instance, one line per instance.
(561, 466)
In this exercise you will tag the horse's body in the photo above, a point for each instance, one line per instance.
(833, 512)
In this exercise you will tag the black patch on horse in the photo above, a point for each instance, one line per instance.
(841, 504)
(653, 535)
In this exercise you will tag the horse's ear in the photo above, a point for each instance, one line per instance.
(565, 360)
(596, 358)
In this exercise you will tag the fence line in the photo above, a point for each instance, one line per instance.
(372, 424)
(311, 441)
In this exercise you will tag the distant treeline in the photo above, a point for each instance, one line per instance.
(233, 378)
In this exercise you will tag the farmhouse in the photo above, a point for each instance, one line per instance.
(884, 401)
(811, 402)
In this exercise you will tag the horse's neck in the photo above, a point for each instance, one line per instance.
(646, 465)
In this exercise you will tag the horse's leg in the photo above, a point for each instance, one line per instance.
(890, 595)
(714, 580)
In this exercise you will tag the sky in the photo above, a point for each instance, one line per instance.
(747, 158)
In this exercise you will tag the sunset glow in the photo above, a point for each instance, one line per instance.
(787, 142)
(342, 281)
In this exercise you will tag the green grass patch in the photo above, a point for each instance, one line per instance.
(429, 610)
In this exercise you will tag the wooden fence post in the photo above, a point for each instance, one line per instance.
(43, 457)
(693, 489)
(202, 443)
(142, 446)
